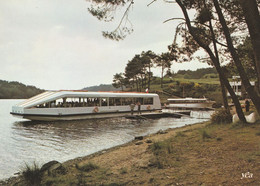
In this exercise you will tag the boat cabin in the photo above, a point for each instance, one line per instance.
(69, 105)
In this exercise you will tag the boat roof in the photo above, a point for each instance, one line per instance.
(186, 99)
(49, 96)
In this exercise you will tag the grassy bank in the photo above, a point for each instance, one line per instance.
(200, 154)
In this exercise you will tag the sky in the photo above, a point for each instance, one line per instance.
(57, 44)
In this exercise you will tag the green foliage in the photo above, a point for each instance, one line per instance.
(221, 116)
(204, 15)
(16, 90)
(193, 89)
(156, 81)
(245, 52)
(197, 74)
(32, 174)
(119, 81)
(209, 76)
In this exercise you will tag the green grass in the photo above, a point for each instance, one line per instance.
(123, 170)
(87, 167)
(214, 81)
(205, 135)
(162, 147)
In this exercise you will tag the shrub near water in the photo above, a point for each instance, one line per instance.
(221, 116)
(32, 174)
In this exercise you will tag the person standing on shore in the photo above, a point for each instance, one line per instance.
(247, 103)
(139, 107)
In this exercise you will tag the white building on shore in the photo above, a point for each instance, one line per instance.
(238, 87)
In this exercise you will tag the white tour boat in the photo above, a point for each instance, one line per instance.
(73, 105)
(189, 103)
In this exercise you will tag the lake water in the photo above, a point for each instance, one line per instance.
(24, 141)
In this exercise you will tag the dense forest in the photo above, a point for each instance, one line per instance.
(16, 90)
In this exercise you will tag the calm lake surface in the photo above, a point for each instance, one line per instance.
(24, 141)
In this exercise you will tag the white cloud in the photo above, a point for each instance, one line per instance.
(58, 45)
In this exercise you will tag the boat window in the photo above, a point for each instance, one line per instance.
(111, 101)
(73, 102)
(91, 102)
(118, 101)
(141, 100)
(127, 101)
(114, 101)
(104, 101)
(148, 101)
(59, 102)
(80, 102)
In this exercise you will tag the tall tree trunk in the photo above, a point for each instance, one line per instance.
(214, 61)
(223, 90)
(149, 77)
(251, 13)
(162, 77)
(249, 88)
(145, 80)
(136, 82)
(224, 94)
(142, 82)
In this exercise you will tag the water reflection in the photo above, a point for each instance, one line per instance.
(65, 140)
(69, 130)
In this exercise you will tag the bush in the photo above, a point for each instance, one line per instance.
(221, 116)
(32, 174)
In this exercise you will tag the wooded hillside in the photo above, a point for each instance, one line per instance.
(16, 90)
(102, 87)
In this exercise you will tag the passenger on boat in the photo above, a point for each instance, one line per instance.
(132, 106)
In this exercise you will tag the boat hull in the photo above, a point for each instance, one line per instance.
(190, 106)
(68, 117)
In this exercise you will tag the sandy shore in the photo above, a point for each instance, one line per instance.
(131, 152)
